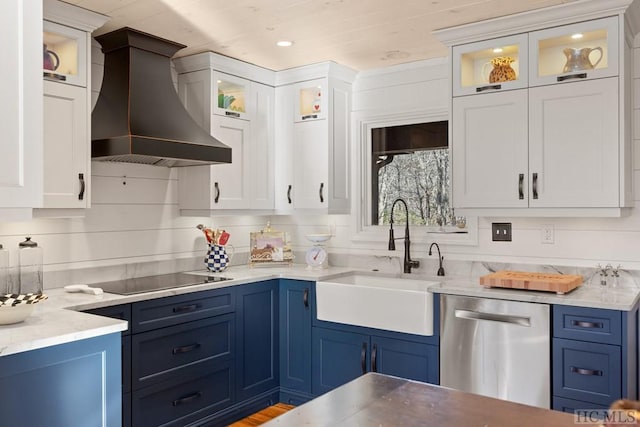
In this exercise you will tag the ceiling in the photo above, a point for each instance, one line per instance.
(361, 34)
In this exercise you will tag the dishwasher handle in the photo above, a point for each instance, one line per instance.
(502, 318)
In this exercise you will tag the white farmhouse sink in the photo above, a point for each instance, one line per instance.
(391, 303)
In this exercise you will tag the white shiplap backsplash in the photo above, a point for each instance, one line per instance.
(134, 219)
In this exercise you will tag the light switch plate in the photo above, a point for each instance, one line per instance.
(501, 231)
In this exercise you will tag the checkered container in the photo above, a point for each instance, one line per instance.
(217, 258)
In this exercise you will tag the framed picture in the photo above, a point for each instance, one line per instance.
(269, 247)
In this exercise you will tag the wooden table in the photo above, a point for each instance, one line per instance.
(380, 400)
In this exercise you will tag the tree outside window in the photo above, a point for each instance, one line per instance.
(412, 162)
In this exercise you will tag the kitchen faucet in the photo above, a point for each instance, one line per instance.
(408, 263)
(440, 258)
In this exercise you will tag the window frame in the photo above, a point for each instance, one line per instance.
(363, 231)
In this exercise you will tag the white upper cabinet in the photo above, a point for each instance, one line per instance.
(490, 152)
(573, 145)
(490, 65)
(582, 51)
(20, 108)
(239, 112)
(66, 69)
(312, 150)
(559, 144)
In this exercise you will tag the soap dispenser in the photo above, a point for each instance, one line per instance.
(30, 263)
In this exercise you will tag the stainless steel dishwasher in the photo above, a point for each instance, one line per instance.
(496, 348)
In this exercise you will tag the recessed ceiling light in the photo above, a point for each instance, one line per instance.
(497, 50)
(576, 36)
(284, 43)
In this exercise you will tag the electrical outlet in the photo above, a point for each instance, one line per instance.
(501, 231)
(547, 234)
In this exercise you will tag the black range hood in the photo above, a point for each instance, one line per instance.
(138, 117)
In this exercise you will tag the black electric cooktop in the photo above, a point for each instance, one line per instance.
(140, 285)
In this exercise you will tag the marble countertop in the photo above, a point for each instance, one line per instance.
(587, 295)
(59, 319)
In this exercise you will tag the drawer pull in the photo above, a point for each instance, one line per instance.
(363, 358)
(588, 325)
(590, 372)
(490, 87)
(187, 399)
(186, 348)
(374, 358)
(185, 308)
(572, 76)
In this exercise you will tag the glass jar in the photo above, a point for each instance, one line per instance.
(30, 263)
(6, 284)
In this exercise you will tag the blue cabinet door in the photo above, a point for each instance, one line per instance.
(295, 335)
(338, 357)
(405, 359)
(75, 384)
(258, 364)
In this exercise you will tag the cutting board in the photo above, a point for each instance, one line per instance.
(550, 282)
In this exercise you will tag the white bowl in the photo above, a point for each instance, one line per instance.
(15, 314)
(318, 238)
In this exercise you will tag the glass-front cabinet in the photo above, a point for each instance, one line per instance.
(64, 54)
(581, 51)
(490, 65)
(310, 100)
(231, 96)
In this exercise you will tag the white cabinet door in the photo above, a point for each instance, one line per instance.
(261, 173)
(66, 144)
(310, 154)
(573, 144)
(284, 160)
(21, 105)
(489, 150)
(229, 185)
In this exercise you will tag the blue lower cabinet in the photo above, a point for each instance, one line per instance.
(405, 359)
(295, 338)
(126, 409)
(178, 403)
(587, 371)
(338, 357)
(257, 361)
(74, 384)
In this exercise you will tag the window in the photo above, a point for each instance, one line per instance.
(412, 162)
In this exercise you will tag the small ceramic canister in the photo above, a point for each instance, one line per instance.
(218, 257)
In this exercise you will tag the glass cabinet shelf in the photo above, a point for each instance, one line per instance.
(574, 52)
(231, 96)
(310, 100)
(490, 65)
(64, 54)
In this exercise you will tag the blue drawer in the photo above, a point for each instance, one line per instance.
(163, 312)
(587, 324)
(588, 372)
(571, 406)
(169, 352)
(182, 401)
(122, 311)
